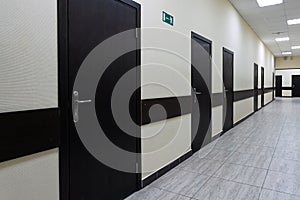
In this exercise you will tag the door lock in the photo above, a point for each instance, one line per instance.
(76, 103)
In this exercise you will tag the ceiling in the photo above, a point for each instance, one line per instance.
(271, 22)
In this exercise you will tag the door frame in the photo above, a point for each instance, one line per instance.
(199, 37)
(65, 101)
(232, 78)
(276, 88)
(262, 82)
(293, 93)
(255, 88)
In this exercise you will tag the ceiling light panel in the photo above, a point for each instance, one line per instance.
(282, 39)
(264, 3)
(295, 47)
(287, 53)
(293, 21)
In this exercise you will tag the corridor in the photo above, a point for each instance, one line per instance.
(258, 159)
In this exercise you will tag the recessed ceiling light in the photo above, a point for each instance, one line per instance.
(295, 47)
(263, 3)
(293, 21)
(282, 39)
(287, 53)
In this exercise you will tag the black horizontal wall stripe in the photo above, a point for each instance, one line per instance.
(177, 106)
(243, 94)
(174, 107)
(27, 132)
(287, 88)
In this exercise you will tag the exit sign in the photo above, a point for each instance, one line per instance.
(167, 18)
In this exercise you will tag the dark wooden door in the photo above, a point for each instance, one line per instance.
(228, 62)
(262, 87)
(201, 83)
(90, 23)
(255, 87)
(278, 92)
(296, 85)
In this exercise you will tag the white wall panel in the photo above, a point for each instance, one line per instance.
(28, 54)
(242, 108)
(165, 141)
(33, 177)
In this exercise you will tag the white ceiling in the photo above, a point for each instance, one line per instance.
(268, 21)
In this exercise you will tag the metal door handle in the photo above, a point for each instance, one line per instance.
(195, 91)
(195, 94)
(76, 103)
(294, 86)
(226, 90)
(84, 101)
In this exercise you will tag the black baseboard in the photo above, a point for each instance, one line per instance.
(165, 169)
(217, 136)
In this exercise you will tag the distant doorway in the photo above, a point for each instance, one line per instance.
(228, 60)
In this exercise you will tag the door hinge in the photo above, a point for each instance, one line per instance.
(136, 167)
(136, 33)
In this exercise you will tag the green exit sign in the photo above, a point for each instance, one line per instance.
(167, 18)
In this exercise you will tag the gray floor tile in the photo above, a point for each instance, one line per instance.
(252, 160)
(267, 141)
(242, 174)
(281, 182)
(273, 195)
(254, 149)
(220, 189)
(219, 155)
(226, 144)
(183, 182)
(151, 193)
(285, 166)
(202, 166)
(288, 155)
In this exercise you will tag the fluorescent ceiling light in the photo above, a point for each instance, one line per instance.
(293, 21)
(295, 47)
(287, 53)
(282, 39)
(263, 3)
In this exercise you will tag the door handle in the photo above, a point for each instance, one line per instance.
(294, 86)
(195, 91)
(195, 94)
(76, 103)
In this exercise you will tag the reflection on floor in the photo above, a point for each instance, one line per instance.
(258, 159)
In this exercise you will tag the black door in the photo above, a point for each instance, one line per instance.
(201, 83)
(262, 87)
(273, 86)
(255, 87)
(296, 85)
(278, 92)
(228, 60)
(90, 23)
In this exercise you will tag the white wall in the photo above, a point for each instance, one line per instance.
(28, 80)
(287, 79)
(216, 20)
(28, 58)
(287, 62)
(33, 177)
